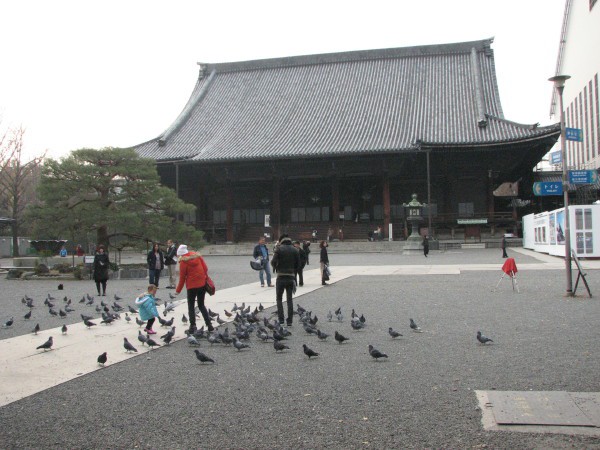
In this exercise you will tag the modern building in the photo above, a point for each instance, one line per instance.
(579, 57)
(341, 141)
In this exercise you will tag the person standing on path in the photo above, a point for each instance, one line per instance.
(306, 248)
(300, 271)
(147, 308)
(503, 245)
(286, 262)
(193, 272)
(425, 245)
(262, 252)
(156, 263)
(324, 262)
(171, 262)
(100, 270)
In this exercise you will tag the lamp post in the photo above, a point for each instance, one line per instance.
(559, 85)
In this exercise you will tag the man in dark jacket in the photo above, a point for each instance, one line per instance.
(286, 262)
(262, 252)
(171, 263)
(299, 272)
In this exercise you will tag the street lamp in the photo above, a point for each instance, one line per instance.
(559, 85)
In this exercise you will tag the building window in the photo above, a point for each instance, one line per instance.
(583, 227)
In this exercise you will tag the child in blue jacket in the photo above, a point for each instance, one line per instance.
(147, 308)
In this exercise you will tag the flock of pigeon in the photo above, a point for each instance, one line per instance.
(245, 323)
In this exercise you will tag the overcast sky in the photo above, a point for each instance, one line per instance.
(117, 73)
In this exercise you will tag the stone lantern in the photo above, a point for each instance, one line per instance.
(414, 215)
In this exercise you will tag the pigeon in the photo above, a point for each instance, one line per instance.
(167, 338)
(278, 336)
(393, 333)
(67, 309)
(132, 310)
(89, 323)
(139, 322)
(117, 298)
(46, 345)
(128, 347)
(239, 344)
(329, 316)
(338, 311)
(261, 307)
(362, 319)
(28, 315)
(353, 314)
(127, 318)
(102, 303)
(202, 357)
(50, 298)
(36, 328)
(141, 337)
(263, 336)
(102, 359)
(340, 338)
(414, 326)
(151, 343)
(376, 353)
(308, 352)
(52, 312)
(64, 329)
(62, 314)
(191, 340)
(90, 301)
(169, 323)
(227, 313)
(172, 297)
(220, 321)
(483, 339)
(84, 317)
(340, 317)
(9, 322)
(82, 299)
(309, 329)
(184, 319)
(60, 287)
(279, 346)
(357, 324)
(321, 335)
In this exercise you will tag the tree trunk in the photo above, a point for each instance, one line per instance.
(15, 239)
(102, 236)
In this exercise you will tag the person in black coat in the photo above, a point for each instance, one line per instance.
(156, 263)
(100, 269)
(324, 262)
(306, 248)
(425, 245)
(286, 262)
(503, 245)
(299, 272)
(171, 262)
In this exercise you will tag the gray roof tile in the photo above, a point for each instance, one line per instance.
(373, 101)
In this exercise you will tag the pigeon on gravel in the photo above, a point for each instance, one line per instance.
(28, 315)
(68, 309)
(340, 317)
(84, 317)
(415, 327)
(309, 352)
(279, 346)
(191, 340)
(102, 359)
(393, 333)
(117, 298)
(321, 335)
(46, 345)
(483, 339)
(64, 329)
(52, 312)
(356, 324)
(329, 316)
(239, 344)
(36, 328)
(82, 299)
(202, 357)
(338, 337)
(9, 322)
(62, 314)
(376, 353)
(128, 347)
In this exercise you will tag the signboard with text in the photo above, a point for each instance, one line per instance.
(574, 134)
(583, 176)
(541, 188)
(555, 157)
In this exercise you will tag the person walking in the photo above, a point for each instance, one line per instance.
(100, 270)
(306, 248)
(156, 263)
(171, 262)
(147, 308)
(286, 262)
(299, 272)
(503, 245)
(193, 272)
(425, 245)
(324, 262)
(262, 252)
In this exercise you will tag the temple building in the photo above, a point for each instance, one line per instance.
(341, 141)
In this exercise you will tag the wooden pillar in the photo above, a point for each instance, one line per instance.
(490, 196)
(276, 212)
(229, 205)
(386, 204)
(335, 204)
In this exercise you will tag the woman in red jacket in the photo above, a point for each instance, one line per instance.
(192, 273)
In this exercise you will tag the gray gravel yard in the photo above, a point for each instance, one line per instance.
(421, 396)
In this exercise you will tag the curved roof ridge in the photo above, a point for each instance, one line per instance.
(483, 45)
(533, 126)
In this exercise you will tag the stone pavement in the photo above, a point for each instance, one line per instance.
(421, 396)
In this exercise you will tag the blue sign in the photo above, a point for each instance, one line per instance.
(583, 176)
(547, 188)
(555, 157)
(574, 134)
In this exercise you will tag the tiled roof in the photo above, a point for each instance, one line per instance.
(363, 102)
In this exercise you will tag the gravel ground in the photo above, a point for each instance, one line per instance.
(421, 396)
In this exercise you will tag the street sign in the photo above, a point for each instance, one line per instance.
(574, 134)
(555, 157)
(583, 176)
(547, 188)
